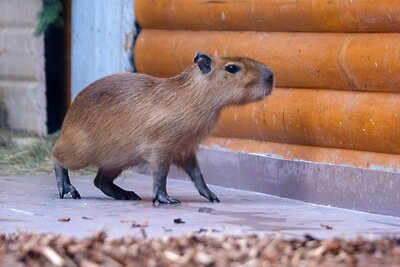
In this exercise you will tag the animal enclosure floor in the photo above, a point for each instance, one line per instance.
(31, 203)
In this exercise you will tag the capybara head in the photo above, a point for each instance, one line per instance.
(241, 80)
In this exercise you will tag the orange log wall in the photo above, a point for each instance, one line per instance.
(270, 15)
(364, 62)
(337, 66)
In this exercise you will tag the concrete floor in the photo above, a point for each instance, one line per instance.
(31, 203)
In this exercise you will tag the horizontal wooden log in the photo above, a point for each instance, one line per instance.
(364, 62)
(354, 158)
(327, 118)
(271, 15)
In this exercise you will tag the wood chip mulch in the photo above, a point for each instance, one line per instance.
(25, 249)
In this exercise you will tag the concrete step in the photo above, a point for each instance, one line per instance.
(375, 189)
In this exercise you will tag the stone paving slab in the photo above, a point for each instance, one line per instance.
(31, 203)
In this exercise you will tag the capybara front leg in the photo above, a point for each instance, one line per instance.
(160, 194)
(191, 167)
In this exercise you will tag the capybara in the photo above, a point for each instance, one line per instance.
(127, 119)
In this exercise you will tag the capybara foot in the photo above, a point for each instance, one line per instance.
(114, 191)
(163, 198)
(209, 195)
(64, 189)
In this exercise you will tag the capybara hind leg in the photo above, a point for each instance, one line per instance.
(191, 167)
(160, 185)
(105, 182)
(63, 182)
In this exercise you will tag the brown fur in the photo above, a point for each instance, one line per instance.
(125, 119)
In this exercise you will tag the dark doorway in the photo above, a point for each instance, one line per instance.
(56, 41)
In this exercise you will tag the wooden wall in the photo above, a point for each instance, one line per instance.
(337, 66)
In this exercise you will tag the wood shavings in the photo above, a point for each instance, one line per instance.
(64, 219)
(26, 249)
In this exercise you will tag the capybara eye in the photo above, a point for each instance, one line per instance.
(232, 68)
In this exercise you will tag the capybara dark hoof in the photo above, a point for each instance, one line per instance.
(163, 198)
(210, 196)
(127, 195)
(65, 189)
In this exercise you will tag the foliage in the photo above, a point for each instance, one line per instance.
(22, 152)
(28, 157)
(51, 14)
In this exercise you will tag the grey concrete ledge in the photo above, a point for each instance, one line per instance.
(376, 191)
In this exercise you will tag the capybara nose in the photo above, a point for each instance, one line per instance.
(268, 76)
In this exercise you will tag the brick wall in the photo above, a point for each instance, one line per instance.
(22, 77)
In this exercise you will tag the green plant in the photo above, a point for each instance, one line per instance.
(51, 14)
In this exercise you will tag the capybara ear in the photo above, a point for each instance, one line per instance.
(203, 61)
